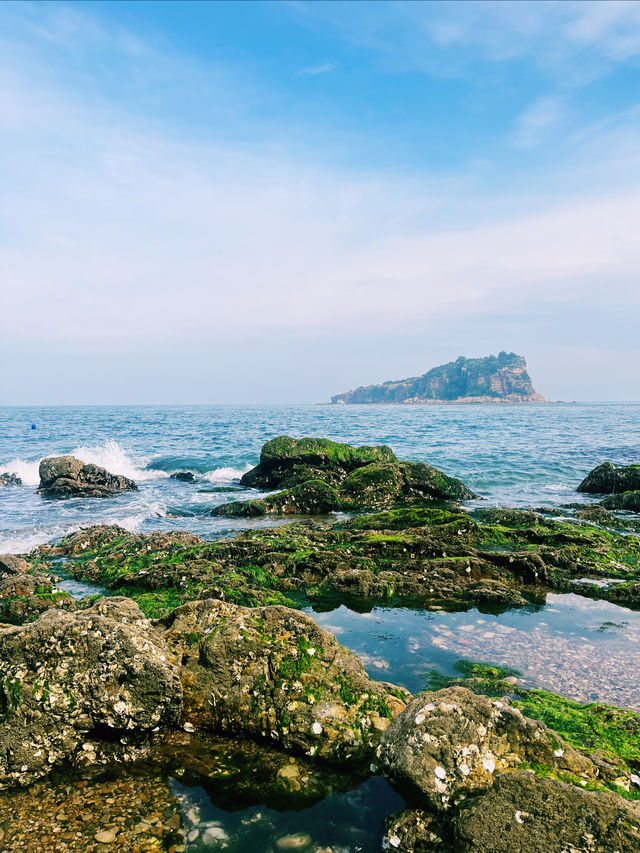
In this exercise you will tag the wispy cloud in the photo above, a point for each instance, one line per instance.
(575, 40)
(535, 124)
(313, 70)
(119, 231)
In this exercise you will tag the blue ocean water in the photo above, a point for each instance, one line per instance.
(519, 455)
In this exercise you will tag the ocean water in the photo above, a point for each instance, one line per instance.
(519, 455)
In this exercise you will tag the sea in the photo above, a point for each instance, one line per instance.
(516, 455)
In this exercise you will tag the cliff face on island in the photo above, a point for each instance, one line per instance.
(494, 379)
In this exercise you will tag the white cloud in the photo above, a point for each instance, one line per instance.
(573, 40)
(314, 70)
(535, 124)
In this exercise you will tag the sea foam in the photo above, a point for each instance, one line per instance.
(109, 455)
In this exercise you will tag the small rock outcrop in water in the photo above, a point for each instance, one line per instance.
(71, 679)
(608, 479)
(319, 476)
(66, 476)
(629, 501)
(494, 379)
(274, 673)
(10, 480)
(185, 476)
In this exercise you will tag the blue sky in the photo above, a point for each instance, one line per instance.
(274, 202)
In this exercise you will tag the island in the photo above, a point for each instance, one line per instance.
(494, 379)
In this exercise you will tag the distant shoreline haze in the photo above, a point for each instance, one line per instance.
(493, 379)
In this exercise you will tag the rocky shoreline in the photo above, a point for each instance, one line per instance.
(198, 640)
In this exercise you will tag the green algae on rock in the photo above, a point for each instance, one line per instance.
(609, 479)
(272, 672)
(318, 476)
(629, 501)
(413, 555)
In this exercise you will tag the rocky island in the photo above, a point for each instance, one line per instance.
(495, 379)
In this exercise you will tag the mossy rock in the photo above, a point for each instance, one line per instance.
(629, 501)
(608, 479)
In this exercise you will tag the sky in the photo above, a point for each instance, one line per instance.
(279, 201)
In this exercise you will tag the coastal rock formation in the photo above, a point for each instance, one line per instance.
(522, 813)
(413, 555)
(322, 476)
(24, 597)
(286, 462)
(494, 379)
(608, 479)
(272, 672)
(185, 476)
(452, 742)
(629, 501)
(66, 476)
(11, 565)
(71, 680)
(10, 480)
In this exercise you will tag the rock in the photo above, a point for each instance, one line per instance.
(610, 479)
(321, 476)
(23, 597)
(105, 836)
(494, 379)
(11, 565)
(523, 813)
(66, 476)
(629, 501)
(273, 672)
(452, 742)
(10, 480)
(70, 680)
(297, 841)
(414, 831)
(185, 476)
(286, 462)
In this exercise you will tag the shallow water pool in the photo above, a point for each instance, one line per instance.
(582, 649)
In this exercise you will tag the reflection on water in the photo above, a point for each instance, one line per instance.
(202, 793)
(583, 649)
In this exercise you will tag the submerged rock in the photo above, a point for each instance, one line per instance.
(10, 480)
(70, 680)
(66, 476)
(185, 476)
(610, 479)
(273, 672)
(452, 742)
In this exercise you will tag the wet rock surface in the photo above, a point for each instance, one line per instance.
(72, 680)
(274, 673)
(452, 742)
(609, 479)
(10, 480)
(418, 555)
(523, 813)
(66, 476)
(629, 501)
(321, 476)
